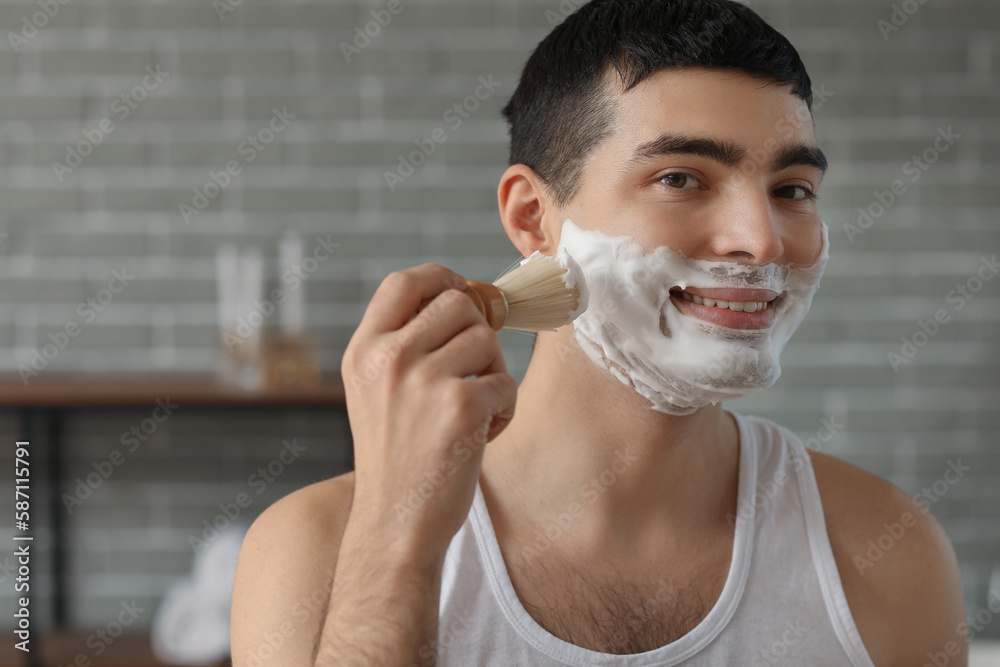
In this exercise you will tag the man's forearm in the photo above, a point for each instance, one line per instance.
(383, 609)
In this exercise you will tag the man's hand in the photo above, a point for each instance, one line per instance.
(419, 424)
(414, 414)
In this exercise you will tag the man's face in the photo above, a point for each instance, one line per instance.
(695, 231)
(714, 164)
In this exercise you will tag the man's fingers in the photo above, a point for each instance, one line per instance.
(474, 351)
(501, 390)
(447, 315)
(400, 294)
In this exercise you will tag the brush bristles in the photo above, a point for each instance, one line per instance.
(539, 297)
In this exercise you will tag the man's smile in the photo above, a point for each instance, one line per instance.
(728, 307)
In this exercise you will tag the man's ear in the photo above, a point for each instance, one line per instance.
(527, 211)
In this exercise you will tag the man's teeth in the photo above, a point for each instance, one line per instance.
(739, 306)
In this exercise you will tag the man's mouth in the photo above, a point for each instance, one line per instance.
(729, 307)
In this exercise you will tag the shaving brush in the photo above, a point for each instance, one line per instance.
(539, 294)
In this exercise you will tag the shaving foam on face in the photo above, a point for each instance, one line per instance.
(679, 362)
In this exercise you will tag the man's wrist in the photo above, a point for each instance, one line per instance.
(394, 549)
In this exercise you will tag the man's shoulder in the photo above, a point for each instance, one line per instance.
(864, 510)
(317, 511)
(285, 573)
(329, 498)
(896, 564)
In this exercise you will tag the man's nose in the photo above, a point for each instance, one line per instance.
(747, 228)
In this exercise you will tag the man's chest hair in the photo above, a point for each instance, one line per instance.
(608, 612)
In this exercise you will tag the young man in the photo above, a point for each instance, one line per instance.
(620, 515)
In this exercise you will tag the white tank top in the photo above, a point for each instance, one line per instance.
(782, 603)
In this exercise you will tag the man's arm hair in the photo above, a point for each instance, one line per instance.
(382, 610)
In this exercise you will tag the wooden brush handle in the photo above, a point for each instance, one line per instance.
(488, 299)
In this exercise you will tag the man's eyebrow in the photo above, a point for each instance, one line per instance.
(799, 154)
(725, 152)
(679, 144)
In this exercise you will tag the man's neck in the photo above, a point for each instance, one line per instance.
(585, 447)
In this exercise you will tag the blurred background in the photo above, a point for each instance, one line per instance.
(153, 150)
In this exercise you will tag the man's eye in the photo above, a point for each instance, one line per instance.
(680, 181)
(799, 192)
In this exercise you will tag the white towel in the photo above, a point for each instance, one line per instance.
(191, 625)
(215, 565)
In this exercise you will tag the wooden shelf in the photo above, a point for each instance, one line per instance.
(129, 650)
(81, 390)
(52, 395)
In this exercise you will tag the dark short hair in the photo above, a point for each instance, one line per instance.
(562, 107)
